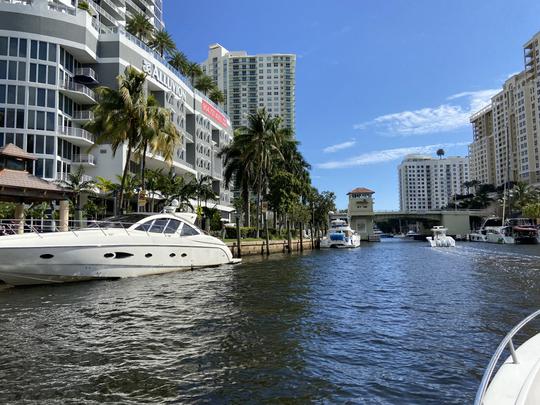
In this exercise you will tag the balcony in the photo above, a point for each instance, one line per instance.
(83, 116)
(86, 75)
(77, 136)
(85, 160)
(78, 92)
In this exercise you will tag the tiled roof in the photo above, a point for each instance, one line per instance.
(20, 179)
(360, 190)
(15, 151)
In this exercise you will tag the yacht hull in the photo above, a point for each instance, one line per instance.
(50, 264)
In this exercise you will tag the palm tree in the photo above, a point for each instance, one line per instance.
(77, 184)
(140, 26)
(263, 138)
(173, 187)
(193, 71)
(205, 84)
(162, 42)
(523, 194)
(217, 96)
(159, 136)
(202, 189)
(440, 153)
(120, 117)
(179, 61)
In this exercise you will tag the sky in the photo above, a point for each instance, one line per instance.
(375, 80)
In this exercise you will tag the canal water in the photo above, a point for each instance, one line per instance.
(395, 322)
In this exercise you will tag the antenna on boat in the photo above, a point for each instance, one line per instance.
(172, 207)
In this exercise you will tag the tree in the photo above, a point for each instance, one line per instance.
(140, 26)
(159, 135)
(193, 71)
(532, 210)
(522, 194)
(120, 116)
(162, 42)
(77, 184)
(205, 84)
(217, 96)
(440, 153)
(202, 190)
(173, 187)
(179, 61)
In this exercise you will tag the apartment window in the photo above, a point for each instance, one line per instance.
(3, 46)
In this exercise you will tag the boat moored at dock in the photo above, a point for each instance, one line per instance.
(340, 235)
(128, 245)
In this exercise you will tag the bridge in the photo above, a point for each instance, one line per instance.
(458, 222)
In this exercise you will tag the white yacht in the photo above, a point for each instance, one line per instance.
(514, 230)
(128, 245)
(340, 235)
(517, 380)
(439, 238)
(491, 225)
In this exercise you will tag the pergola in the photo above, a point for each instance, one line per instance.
(18, 185)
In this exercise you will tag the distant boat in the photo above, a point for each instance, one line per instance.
(340, 235)
(439, 238)
(412, 234)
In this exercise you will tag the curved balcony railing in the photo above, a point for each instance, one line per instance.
(506, 343)
(80, 88)
(84, 159)
(85, 115)
(87, 73)
(77, 133)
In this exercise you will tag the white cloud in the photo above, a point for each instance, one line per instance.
(339, 146)
(386, 155)
(443, 118)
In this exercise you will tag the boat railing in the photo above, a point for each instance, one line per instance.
(40, 226)
(507, 343)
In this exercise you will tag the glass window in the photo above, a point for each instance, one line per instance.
(10, 118)
(2, 93)
(144, 227)
(22, 48)
(2, 139)
(49, 168)
(50, 123)
(20, 118)
(188, 230)
(31, 96)
(159, 225)
(12, 73)
(3, 45)
(40, 123)
(30, 144)
(172, 226)
(39, 143)
(39, 168)
(33, 70)
(41, 97)
(51, 98)
(19, 140)
(42, 73)
(33, 49)
(31, 119)
(22, 71)
(9, 138)
(52, 52)
(21, 93)
(13, 46)
(3, 69)
(42, 50)
(52, 75)
(11, 94)
(2, 117)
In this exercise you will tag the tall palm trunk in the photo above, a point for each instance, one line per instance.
(257, 225)
(124, 177)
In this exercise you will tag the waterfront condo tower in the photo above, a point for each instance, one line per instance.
(250, 82)
(427, 183)
(52, 56)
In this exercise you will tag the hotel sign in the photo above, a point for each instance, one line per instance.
(214, 114)
(152, 70)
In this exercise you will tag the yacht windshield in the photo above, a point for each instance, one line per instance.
(119, 221)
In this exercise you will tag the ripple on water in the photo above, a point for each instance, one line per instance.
(394, 322)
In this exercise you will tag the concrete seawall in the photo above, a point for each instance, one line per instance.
(250, 248)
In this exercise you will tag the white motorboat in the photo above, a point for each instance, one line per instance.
(477, 236)
(499, 234)
(517, 380)
(439, 238)
(128, 245)
(340, 235)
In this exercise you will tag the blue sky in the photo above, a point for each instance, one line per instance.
(375, 80)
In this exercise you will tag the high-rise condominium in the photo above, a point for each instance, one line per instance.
(250, 82)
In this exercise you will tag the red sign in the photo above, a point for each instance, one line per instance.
(215, 114)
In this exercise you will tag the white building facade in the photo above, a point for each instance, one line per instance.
(250, 82)
(427, 183)
(53, 55)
